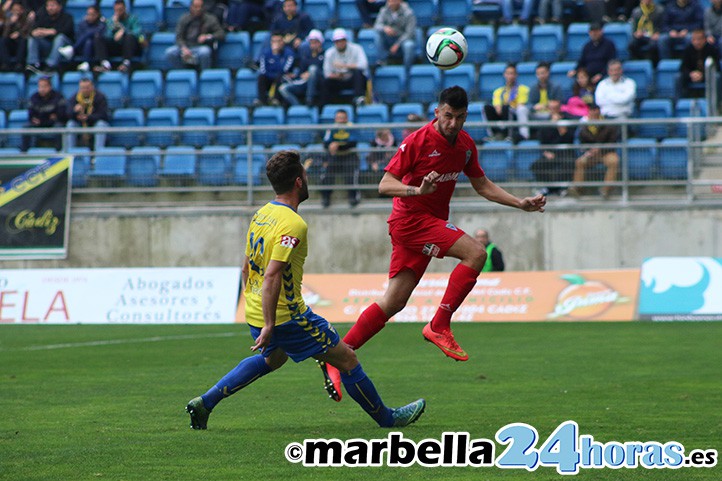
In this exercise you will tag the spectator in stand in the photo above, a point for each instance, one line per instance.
(713, 23)
(304, 79)
(47, 109)
(680, 18)
(410, 130)
(345, 66)
(593, 133)
(243, 13)
(395, 28)
(692, 70)
(619, 10)
(14, 41)
(88, 108)
(368, 9)
(509, 103)
(646, 25)
(123, 36)
(342, 159)
(383, 139)
(91, 28)
(555, 165)
(292, 24)
(577, 105)
(615, 95)
(542, 92)
(596, 53)
(276, 62)
(196, 34)
(53, 29)
(494, 259)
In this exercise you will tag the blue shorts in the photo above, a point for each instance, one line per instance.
(301, 338)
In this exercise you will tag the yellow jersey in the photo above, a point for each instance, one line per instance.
(276, 233)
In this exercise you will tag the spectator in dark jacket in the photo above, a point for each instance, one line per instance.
(292, 24)
(53, 29)
(195, 33)
(646, 24)
(88, 108)
(692, 68)
(680, 18)
(595, 54)
(276, 61)
(92, 27)
(555, 165)
(713, 23)
(47, 109)
(593, 133)
(543, 92)
(304, 79)
(123, 36)
(14, 41)
(342, 159)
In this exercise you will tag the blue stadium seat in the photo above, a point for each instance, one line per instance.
(463, 76)
(81, 166)
(303, 115)
(491, 76)
(424, 83)
(12, 90)
(268, 116)
(3, 122)
(526, 73)
(155, 53)
(145, 88)
(10, 151)
(667, 75)
(232, 116)
(41, 151)
(673, 158)
(476, 114)
(179, 163)
(512, 43)
(142, 167)
(328, 112)
(577, 37)
(77, 9)
(642, 160)
(654, 109)
(110, 164)
(198, 117)
(180, 89)
(250, 166)
(390, 83)
(400, 112)
(214, 165)
(642, 72)
(173, 11)
(260, 38)
(547, 42)
(31, 85)
(234, 51)
(69, 83)
(367, 40)
(527, 154)
(106, 7)
(495, 159)
(690, 108)
(558, 75)
(161, 117)
(17, 119)
(427, 12)
(348, 15)
(486, 12)
(371, 114)
(214, 87)
(149, 13)
(322, 12)
(621, 34)
(454, 12)
(482, 42)
(131, 117)
(246, 86)
(115, 87)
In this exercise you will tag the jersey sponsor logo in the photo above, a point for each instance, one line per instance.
(431, 250)
(289, 241)
(435, 153)
(447, 177)
(451, 226)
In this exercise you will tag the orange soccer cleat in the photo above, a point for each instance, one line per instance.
(446, 342)
(331, 380)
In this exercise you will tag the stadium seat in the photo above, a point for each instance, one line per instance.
(463, 76)
(214, 165)
(180, 89)
(231, 116)
(666, 78)
(512, 43)
(10, 151)
(179, 163)
(328, 112)
(491, 77)
(3, 122)
(81, 166)
(173, 11)
(214, 87)
(155, 55)
(495, 159)
(259, 40)
(12, 90)
(481, 40)
(390, 83)
(454, 12)
(17, 119)
(322, 12)
(642, 158)
(110, 164)
(130, 117)
(690, 108)
(198, 117)
(654, 109)
(267, 116)
(400, 112)
(69, 83)
(546, 42)
(41, 151)
(641, 71)
(246, 86)
(77, 9)
(142, 167)
(115, 87)
(526, 73)
(558, 75)
(106, 7)
(367, 40)
(621, 34)
(149, 13)
(249, 166)
(577, 37)
(476, 114)
(349, 17)
(145, 88)
(673, 158)
(426, 11)
(424, 83)
(161, 117)
(524, 157)
(301, 115)
(234, 51)
(371, 114)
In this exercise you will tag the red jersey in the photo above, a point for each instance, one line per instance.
(424, 151)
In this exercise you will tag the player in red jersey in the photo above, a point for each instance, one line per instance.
(421, 177)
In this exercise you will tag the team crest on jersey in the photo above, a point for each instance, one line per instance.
(289, 241)
(451, 226)
(431, 250)
(468, 156)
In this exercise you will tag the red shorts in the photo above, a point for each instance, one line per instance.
(415, 240)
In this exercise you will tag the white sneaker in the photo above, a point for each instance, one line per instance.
(67, 51)
(84, 67)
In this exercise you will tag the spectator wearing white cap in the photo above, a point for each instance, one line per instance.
(304, 79)
(345, 66)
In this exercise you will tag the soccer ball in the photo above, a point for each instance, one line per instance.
(446, 48)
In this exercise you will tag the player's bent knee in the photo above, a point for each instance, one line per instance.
(277, 359)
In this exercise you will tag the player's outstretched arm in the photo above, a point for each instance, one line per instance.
(489, 190)
(392, 185)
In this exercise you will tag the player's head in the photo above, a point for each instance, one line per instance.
(286, 173)
(451, 112)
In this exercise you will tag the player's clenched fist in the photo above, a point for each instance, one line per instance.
(428, 185)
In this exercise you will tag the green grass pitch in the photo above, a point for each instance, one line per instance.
(107, 402)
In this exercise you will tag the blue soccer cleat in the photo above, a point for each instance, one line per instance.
(408, 414)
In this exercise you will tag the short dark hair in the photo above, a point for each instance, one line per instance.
(119, 1)
(545, 65)
(282, 170)
(455, 97)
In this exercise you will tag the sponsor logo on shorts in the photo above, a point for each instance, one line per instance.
(430, 250)
(289, 241)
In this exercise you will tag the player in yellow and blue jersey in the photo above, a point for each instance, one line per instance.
(281, 324)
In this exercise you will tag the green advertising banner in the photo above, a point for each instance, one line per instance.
(34, 207)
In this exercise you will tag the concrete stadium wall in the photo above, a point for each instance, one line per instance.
(342, 241)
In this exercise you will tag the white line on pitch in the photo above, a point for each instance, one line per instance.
(108, 342)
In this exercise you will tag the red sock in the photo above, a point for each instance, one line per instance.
(461, 281)
(371, 321)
